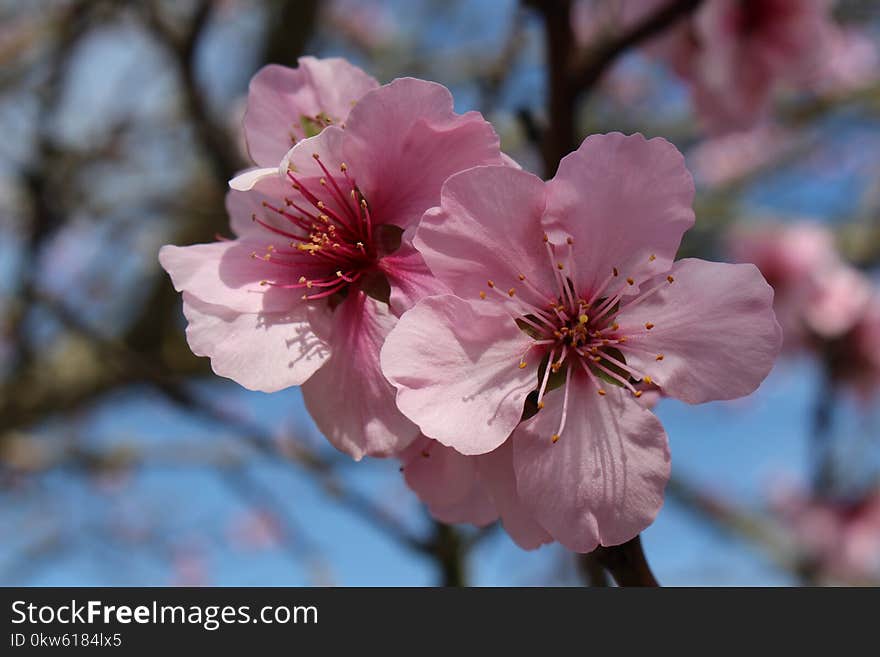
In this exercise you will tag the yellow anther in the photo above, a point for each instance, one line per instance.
(554, 438)
(511, 292)
(652, 258)
(339, 273)
(649, 325)
(638, 393)
(621, 339)
(647, 379)
(522, 277)
(630, 281)
(302, 279)
(659, 357)
(343, 167)
(540, 405)
(670, 279)
(601, 392)
(321, 204)
(364, 203)
(615, 326)
(560, 266)
(583, 319)
(545, 238)
(522, 364)
(482, 295)
(323, 181)
(264, 282)
(490, 283)
(270, 248)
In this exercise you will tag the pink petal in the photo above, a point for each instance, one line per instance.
(403, 140)
(447, 483)
(349, 399)
(279, 97)
(496, 470)
(248, 179)
(488, 228)
(623, 199)
(225, 274)
(242, 206)
(260, 351)
(714, 326)
(410, 278)
(837, 301)
(455, 366)
(602, 482)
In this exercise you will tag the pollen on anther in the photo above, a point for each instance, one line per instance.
(511, 292)
(522, 364)
(637, 393)
(583, 319)
(649, 325)
(490, 283)
(302, 279)
(316, 156)
(522, 277)
(659, 357)
(647, 379)
(540, 405)
(560, 266)
(323, 182)
(601, 392)
(630, 281)
(343, 167)
(482, 295)
(670, 279)
(554, 438)
(652, 258)
(321, 204)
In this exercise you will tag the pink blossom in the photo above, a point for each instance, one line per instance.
(322, 263)
(840, 539)
(736, 53)
(567, 292)
(728, 158)
(286, 105)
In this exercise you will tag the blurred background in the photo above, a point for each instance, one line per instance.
(124, 461)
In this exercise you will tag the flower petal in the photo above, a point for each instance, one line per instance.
(623, 199)
(403, 140)
(455, 366)
(496, 470)
(602, 482)
(349, 399)
(283, 101)
(260, 351)
(714, 327)
(488, 228)
(226, 274)
(410, 278)
(447, 483)
(242, 206)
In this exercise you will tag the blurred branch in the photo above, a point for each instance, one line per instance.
(183, 47)
(570, 77)
(627, 563)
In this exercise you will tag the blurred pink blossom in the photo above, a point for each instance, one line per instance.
(725, 159)
(840, 539)
(368, 24)
(569, 289)
(736, 53)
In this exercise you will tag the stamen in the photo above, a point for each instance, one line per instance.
(559, 431)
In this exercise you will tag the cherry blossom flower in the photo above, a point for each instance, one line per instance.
(736, 53)
(566, 295)
(322, 263)
(839, 539)
(286, 105)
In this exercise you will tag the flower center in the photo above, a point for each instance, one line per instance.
(578, 330)
(334, 242)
